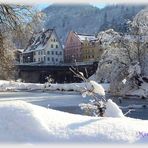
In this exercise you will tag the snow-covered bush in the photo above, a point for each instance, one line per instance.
(89, 109)
(97, 105)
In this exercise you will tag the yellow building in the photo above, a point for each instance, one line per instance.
(82, 47)
(91, 50)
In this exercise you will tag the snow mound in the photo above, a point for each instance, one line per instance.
(22, 122)
(112, 110)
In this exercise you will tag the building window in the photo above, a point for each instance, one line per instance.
(52, 59)
(39, 53)
(60, 52)
(57, 46)
(52, 52)
(34, 60)
(56, 60)
(48, 52)
(56, 53)
(51, 45)
(48, 59)
(39, 59)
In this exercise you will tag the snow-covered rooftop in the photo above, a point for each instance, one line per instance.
(20, 50)
(83, 37)
(39, 40)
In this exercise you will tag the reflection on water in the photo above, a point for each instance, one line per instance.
(70, 109)
(139, 113)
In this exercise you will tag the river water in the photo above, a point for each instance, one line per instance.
(69, 102)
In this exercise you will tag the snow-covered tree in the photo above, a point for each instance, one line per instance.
(139, 28)
(23, 32)
(7, 58)
(10, 17)
(121, 51)
(109, 41)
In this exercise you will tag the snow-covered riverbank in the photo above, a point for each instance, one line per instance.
(15, 86)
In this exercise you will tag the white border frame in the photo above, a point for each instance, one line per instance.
(73, 145)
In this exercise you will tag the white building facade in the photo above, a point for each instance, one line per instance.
(44, 48)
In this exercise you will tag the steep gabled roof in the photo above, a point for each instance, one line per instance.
(39, 40)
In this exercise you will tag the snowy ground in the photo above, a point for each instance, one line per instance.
(26, 122)
(23, 122)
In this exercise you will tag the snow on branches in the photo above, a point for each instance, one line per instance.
(97, 88)
(140, 22)
(98, 105)
(121, 51)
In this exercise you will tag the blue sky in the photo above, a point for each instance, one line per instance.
(101, 5)
(42, 6)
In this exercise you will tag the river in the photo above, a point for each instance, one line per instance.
(69, 102)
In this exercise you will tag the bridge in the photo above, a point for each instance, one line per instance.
(38, 73)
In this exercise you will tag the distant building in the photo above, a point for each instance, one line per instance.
(80, 48)
(44, 47)
(91, 50)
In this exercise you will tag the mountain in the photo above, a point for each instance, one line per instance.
(88, 19)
